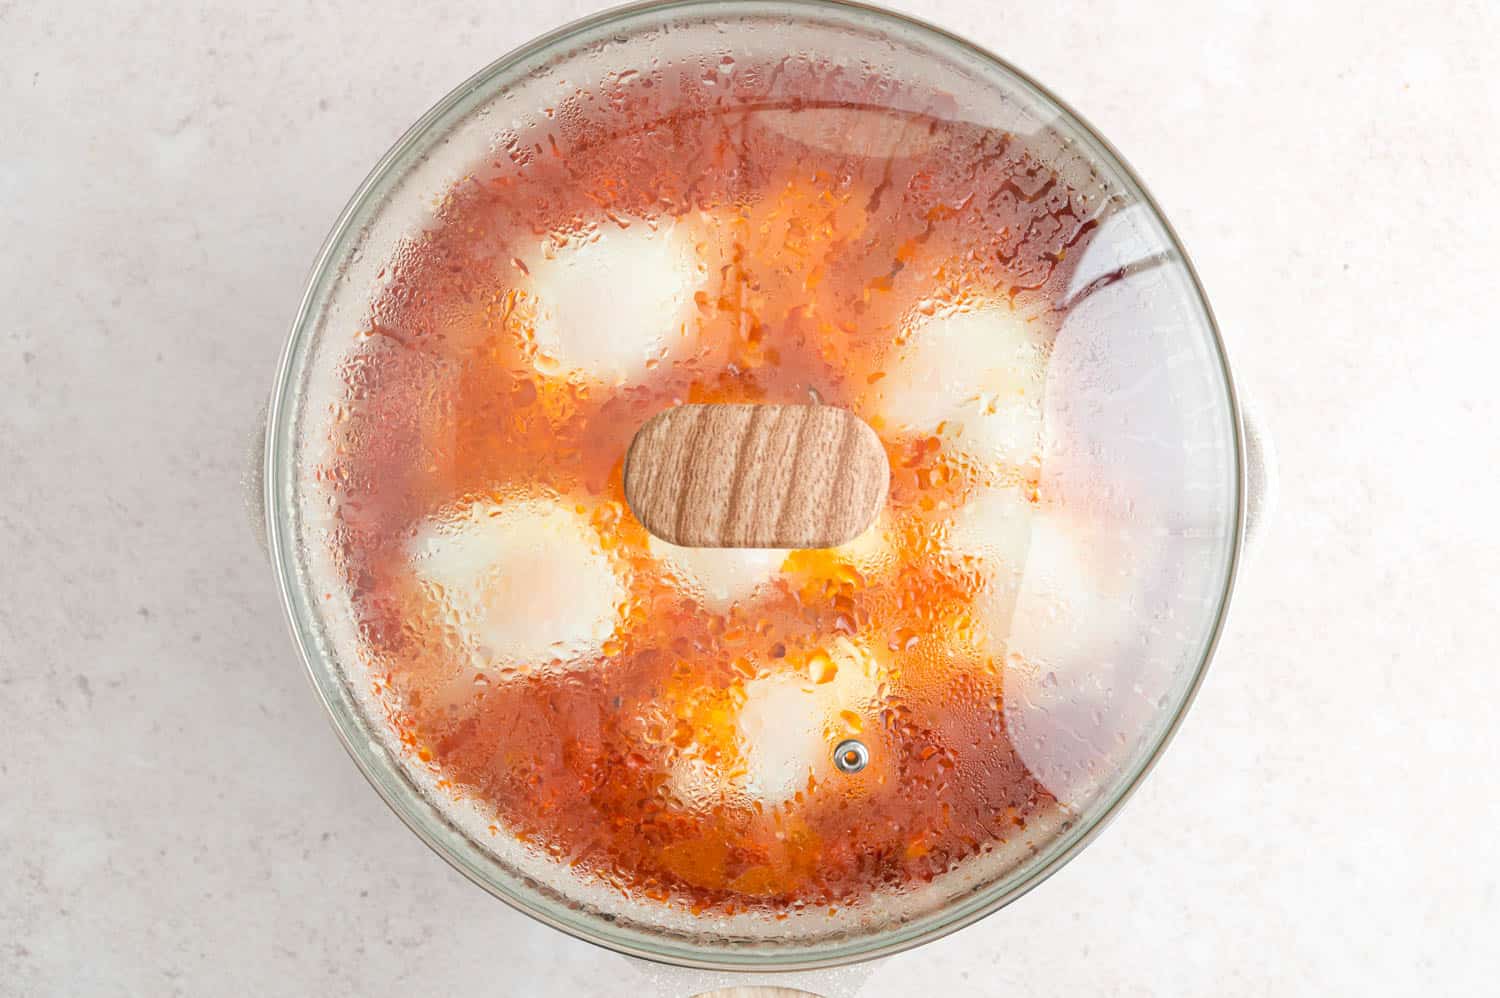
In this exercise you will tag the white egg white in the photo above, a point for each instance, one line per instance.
(993, 531)
(719, 577)
(610, 302)
(521, 583)
(790, 723)
(978, 375)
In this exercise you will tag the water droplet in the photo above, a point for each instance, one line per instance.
(820, 667)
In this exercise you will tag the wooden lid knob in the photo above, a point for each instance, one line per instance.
(756, 476)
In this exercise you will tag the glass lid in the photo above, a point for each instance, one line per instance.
(754, 756)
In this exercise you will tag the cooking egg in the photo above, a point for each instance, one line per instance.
(872, 552)
(790, 722)
(718, 577)
(1068, 605)
(1073, 681)
(975, 376)
(520, 583)
(993, 530)
(780, 730)
(610, 302)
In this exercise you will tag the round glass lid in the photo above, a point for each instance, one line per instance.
(765, 756)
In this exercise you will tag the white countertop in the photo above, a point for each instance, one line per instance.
(176, 816)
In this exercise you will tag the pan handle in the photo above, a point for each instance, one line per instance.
(253, 479)
(1261, 478)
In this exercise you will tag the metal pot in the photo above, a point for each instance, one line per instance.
(1145, 465)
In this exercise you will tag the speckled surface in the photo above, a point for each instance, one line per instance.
(176, 817)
